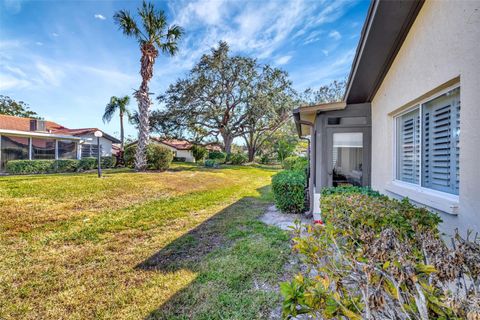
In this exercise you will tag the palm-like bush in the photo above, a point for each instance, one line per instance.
(153, 35)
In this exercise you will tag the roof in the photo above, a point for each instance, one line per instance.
(305, 115)
(23, 124)
(384, 31)
(180, 144)
(175, 143)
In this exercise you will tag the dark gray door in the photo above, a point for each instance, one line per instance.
(348, 156)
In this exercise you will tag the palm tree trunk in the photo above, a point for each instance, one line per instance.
(149, 53)
(122, 137)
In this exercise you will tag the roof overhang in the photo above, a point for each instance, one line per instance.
(385, 29)
(37, 134)
(305, 115)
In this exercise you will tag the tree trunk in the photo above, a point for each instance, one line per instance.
(251, 145)
(122, 137)
(227, 142)
(149, 53)
(251, 154)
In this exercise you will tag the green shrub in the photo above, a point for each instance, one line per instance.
(289, 191)
(295, 163)
(377, 212)
(199, 152)
(380, 256)
(179, 159)
(107, 162)
(266, 159)
(217, 155)
(158, 157)
(88, 163)
(30, 166)
(66, 165)
(349, 190)
(210, 163)
(129, 155)
(238, 158)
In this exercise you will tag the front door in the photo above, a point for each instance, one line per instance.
(348, 158)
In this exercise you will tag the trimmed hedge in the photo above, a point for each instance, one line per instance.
(289, 191)
(364, 208)
(350, 190)
(295, 163)
(56, 166)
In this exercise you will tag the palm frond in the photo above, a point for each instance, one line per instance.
(122, 103)
(110, 109)
(127, 24)
(174, 33)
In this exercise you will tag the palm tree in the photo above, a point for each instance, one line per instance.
(119, 104)
(153, 35)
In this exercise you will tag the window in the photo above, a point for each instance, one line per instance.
(67, 149)
(427, 144)
(13, 148)
(347, 158)
(90, 150)
(43, 148)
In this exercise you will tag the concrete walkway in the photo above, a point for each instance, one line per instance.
(276, 218)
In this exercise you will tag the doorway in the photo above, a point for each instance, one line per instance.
(348, 157)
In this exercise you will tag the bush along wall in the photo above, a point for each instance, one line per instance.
(56, 166)
(378, 258)
(289, 191)
(289, 186)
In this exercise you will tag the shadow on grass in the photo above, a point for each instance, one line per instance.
(230, 252)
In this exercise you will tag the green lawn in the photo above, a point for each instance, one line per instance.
(183, 244)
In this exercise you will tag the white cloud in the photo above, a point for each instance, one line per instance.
(9, 82)
(99, 16)
(49, 74)
(13, 6)
(38, 43)
(325, 52)
(283, 60)
(335, 35)
(254, 28)
(54, 34)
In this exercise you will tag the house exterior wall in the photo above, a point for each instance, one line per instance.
(442, 48)
(104, 142)
(187, 154)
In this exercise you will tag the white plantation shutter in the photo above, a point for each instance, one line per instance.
(408, 147)
(441, 128)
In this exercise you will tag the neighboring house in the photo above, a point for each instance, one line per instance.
(182, 149)
(400, 128)
(25, 138)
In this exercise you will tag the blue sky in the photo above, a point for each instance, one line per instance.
(67, 58)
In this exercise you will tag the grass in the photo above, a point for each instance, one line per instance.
(183, 244)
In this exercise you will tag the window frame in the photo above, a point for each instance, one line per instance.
(440, 200)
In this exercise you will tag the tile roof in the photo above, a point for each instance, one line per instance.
(23, 124)
(175, 143)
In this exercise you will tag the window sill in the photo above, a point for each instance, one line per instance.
(441, 201)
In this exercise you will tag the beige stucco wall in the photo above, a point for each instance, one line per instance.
(443, 44)
(187, 154)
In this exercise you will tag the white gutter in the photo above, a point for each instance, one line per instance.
(37, 134)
